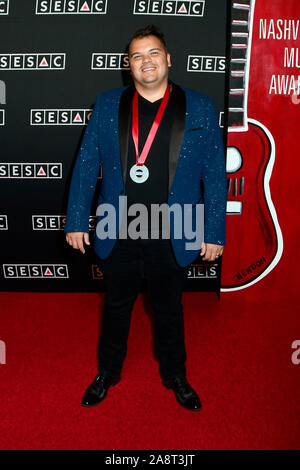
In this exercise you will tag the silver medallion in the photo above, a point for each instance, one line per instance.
(139, 173)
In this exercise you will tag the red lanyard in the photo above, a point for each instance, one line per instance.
(153, 130)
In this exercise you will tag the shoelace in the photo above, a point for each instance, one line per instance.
(98, 382)
(183, 387)
(100, 377)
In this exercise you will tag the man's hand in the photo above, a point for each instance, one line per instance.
(75, 239)
(211, 251)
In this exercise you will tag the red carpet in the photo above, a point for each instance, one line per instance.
(239, 361)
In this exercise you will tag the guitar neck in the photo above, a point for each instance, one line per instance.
(241, 37)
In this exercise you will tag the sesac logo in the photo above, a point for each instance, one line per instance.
(31, 170)
(197, 271)
(63, 7)
(4, 7)
(203, 63)
(110, 61)
(37, 271)
(48, 222)
(33, 61)
(3, 222)
(2, 117)
(59, 117)
(55, 222)
(169, 7)
(96, 272)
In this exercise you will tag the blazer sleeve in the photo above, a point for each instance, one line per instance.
(84, 177)
(214, 181)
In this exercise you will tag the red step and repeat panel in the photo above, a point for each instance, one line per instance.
(263, 148)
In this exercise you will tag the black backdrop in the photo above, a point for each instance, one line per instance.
(55, 57)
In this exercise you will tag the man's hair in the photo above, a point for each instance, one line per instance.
(149, 30)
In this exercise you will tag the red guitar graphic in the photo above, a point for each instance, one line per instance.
(254, 241)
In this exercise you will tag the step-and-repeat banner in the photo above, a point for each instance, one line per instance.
(55, 57)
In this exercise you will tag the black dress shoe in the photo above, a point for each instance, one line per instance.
(97, 391)
(185, 395)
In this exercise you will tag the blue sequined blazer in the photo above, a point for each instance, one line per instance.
(196, 165)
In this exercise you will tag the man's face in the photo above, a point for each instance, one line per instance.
(149, 61)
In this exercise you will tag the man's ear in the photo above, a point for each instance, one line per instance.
(169, 60)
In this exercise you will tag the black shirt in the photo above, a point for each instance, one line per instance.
(155, 189)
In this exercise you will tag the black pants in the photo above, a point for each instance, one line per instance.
(122, 272)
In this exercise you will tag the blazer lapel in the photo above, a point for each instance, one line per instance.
(124, 126)
(177, 129)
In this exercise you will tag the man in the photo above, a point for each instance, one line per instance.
(175, 131)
